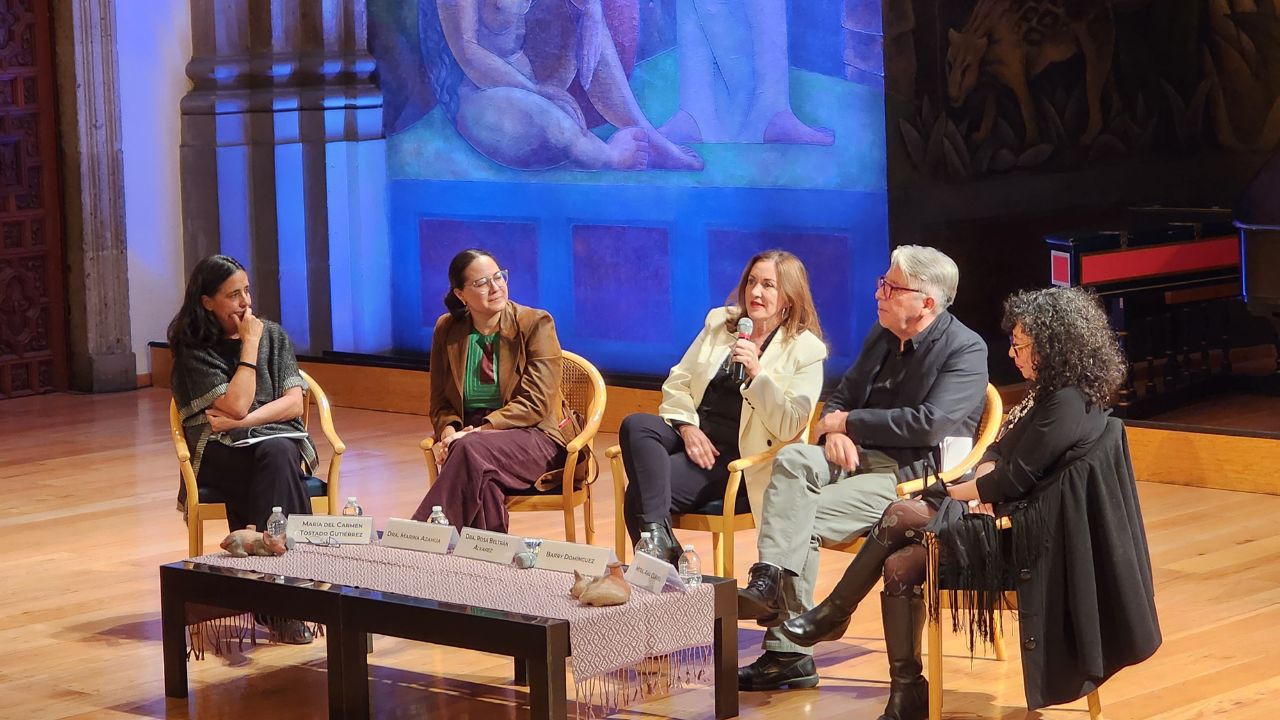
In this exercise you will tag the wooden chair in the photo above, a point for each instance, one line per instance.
(991, 416)
(583, 389)
(721, 517)
(1009, 601)
(205, 504)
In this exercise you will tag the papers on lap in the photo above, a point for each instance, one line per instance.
(259, 438)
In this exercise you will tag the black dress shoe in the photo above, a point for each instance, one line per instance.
(762, 599)
(664, 540)
(772, 670)
(824, 622)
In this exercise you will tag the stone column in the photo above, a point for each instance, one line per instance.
(282, 91)
(93, 196)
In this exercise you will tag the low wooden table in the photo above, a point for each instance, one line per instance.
(540, 645)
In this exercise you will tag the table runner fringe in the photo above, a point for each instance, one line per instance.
(606, 693)
(217, 634)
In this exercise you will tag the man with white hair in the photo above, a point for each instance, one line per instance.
(920, 378)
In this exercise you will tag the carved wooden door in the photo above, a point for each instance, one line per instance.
(33, 346)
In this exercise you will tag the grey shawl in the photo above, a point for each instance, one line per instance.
(201, 376)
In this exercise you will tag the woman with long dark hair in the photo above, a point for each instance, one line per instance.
(499, 419)
(1062, 344)
(239, 393)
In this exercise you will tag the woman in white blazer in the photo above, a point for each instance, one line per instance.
(678, 460)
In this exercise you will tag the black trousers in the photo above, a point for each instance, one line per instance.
(661, 477)
(254, 479)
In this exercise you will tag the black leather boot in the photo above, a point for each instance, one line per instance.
(830, 618)
(762, 598)
(664, 540)
(908, 690)
(772, 670)
(825, 622)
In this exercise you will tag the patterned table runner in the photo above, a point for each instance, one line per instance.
(653, 643)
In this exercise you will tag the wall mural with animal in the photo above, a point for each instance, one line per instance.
(1010, 119)
(1006, 85)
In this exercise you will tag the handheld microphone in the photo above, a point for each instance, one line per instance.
(736, 369)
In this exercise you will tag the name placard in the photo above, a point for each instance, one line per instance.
(488, 545)
(318, 529)
(414, 535)
(567, 557)
(652, 574)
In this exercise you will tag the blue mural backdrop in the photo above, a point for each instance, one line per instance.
(624, 158)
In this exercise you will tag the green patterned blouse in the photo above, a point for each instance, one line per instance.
(480, 382)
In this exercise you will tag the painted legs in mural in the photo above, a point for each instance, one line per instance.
(515, 107)
(735, 75)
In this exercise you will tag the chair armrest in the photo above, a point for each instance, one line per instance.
(592, 425)
(753, 460)
(986, 435)
(184, 457)
(180, 447)
(948, 476)
(430, 458)
(736, 469)
(614, 456)
(326, 419)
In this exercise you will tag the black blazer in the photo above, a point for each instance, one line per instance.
(941, 393)
(1059, 430)
(1086, 601)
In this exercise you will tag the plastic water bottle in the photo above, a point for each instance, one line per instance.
(646, 545)
(690, 568)
(277, 523)
(437, 516)
(352, 507)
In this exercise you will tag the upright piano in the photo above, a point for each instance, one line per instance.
(1172, 280)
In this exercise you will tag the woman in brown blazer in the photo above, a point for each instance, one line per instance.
(499, 419)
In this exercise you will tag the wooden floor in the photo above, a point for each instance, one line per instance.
(86, 516)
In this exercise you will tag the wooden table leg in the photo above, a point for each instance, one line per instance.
(350, 649)
(334, 651)
(547, 692)
(725, 650)
(173, 633)
(726, 667)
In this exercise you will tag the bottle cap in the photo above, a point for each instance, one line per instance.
(436, 509)
(351, 499)
(645, 534)
(277, 509)
(688, 547)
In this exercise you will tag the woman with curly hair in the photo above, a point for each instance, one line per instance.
(1062, 344)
